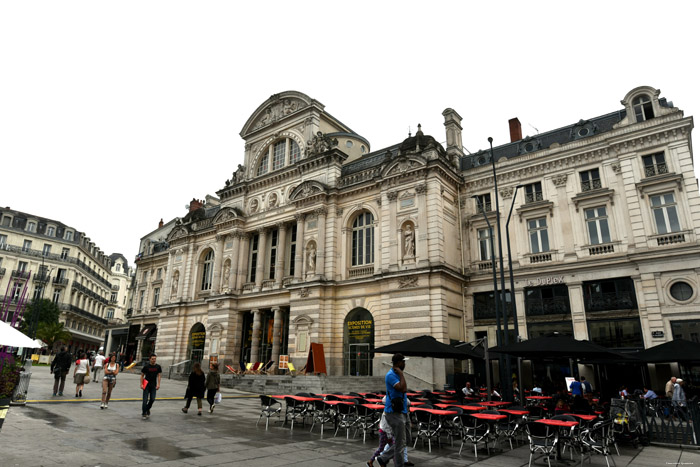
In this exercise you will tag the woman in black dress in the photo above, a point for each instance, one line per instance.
(195, 388)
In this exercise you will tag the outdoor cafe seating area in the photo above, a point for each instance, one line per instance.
(446, 420)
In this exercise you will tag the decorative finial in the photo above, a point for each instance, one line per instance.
(490, 140)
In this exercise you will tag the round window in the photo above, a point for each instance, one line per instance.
(529, 147)
(681, 291)
(583, 132)
(348, 144)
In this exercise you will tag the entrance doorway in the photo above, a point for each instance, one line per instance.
(195, 344)
(358, 343)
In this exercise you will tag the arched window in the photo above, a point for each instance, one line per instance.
(262, 168)
(363, 239)
(207, 270)
(278, 155)
(643, 109)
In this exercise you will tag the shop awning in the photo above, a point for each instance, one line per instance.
(146, 331)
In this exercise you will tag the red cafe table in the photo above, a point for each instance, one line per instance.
(489, 416)
(515, 412)
(470, 408)
(494, 403)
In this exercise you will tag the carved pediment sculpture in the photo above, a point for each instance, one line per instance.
(402, 165)
(279, 109)
(319, 144)
(306, 189)
(178, 232)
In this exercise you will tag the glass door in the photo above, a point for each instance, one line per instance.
(359, 360)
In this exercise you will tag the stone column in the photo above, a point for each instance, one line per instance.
(299, 255)
(566, 230)
(262, 250)
(243, 254)
(276, 326)
(421, 241)
(281, 250)
(321, 247)
(166, 292)
(218, 259)
(395, 253)
(255, 344)
(234, 261)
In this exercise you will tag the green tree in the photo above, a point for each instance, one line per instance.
(44, 310)
(52, 333)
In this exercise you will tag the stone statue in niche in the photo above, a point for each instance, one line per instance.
(254, 206)
(311, 260)
(409, 245)
(224, 278)
(176, 281)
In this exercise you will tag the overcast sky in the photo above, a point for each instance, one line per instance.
(114, 115)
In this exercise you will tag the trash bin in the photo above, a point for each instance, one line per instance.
(19, 397)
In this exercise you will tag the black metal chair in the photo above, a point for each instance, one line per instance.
(543, 440)
(598, 440)
(320, 413)
(474, 431)
(428, 427)
(367, 420)
(269, 408)
(347, 418)
(294, 409)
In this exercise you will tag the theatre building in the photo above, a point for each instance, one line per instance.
(315, 238)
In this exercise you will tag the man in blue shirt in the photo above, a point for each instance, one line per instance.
(649, 394)
(395, 410)
(575, 388)
(587, 388)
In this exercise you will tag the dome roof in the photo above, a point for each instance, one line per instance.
(419, 142)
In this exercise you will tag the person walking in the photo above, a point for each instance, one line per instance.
(679, 400)
(576, 388)
(60, 367)
(97, 366)
(150, 382)
(669, 387)
(587, 388)
(396, 410)
(195, 388)
(213, 384)
(82, 368)
(109, 380)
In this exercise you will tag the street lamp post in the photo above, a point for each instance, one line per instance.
(512, 284)
(495, 299)
(506, 386)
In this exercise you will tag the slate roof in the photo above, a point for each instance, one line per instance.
(562, 135)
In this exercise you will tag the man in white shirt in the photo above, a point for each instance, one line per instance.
(99, 361)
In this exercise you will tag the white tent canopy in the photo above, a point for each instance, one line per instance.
(12, 337)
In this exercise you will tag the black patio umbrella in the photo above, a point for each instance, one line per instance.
(677, 350)
(426, 346)
(557, 346)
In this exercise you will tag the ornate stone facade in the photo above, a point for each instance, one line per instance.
(316, 239)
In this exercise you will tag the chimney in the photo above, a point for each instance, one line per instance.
(195, 204)
(453, 130)
(516, 133)
(160, 224)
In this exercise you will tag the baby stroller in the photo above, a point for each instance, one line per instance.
(628, 425)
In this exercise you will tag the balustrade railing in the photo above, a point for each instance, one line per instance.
(601, 249)
(361, 271)
(540, 258)
(670, 239)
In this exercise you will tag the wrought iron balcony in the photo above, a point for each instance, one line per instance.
(657, 169)
(547, 306)
(533, 197)
(60, 281)
(20, 274)
(589, 185)
(623, 300)
(2, 272)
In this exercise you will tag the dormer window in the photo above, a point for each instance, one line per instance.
(279, 155)
(643, 109)
(31, 226)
